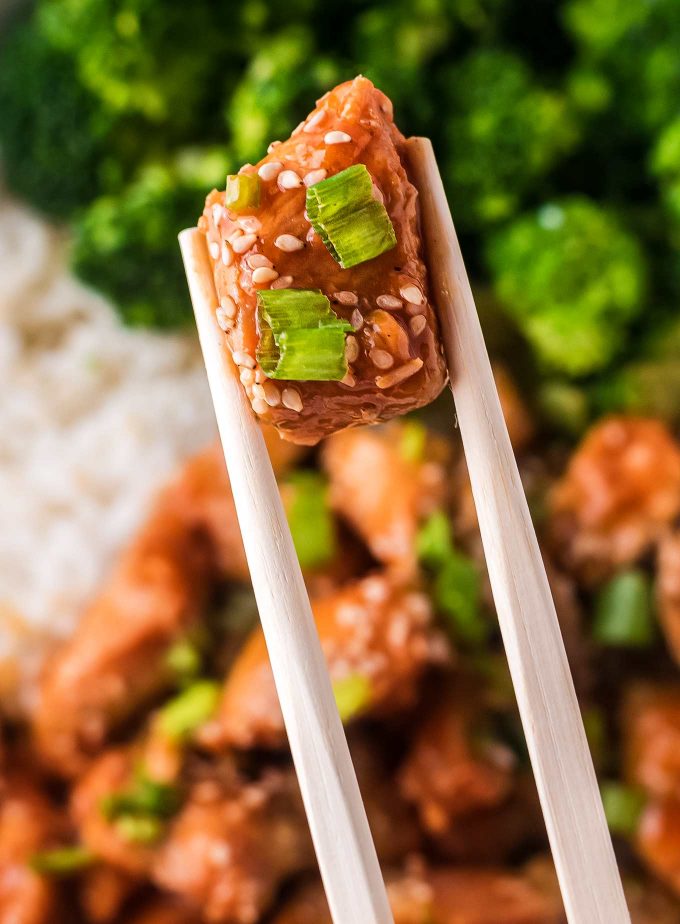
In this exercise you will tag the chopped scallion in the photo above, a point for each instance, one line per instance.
(623, 806)
(455, 582)
(184, 660)
(310, 518)
(243, 192)
(179, 718)
(353, 225)
(62, 861)
(413, 441)
(140, 829)
(624, 614)
(352, 695)
(145, 797)
(301, 337)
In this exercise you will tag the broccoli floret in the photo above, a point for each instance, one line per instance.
(126, 245)
(665, 164)
(635, 45)
(573, 279)
(503, 133)
(141, 57)
(51, 133)
(275, 92)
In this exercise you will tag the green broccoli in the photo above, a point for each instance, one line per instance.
(665, 164)
(573, 279)
(51, 132)
(160, 61)
(504, 133)
(282, 79)
(126, 245)
(635, 46)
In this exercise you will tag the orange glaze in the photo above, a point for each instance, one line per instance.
(374, 390)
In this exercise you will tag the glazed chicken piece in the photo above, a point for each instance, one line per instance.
(28, 824)
(228, 851)
(453, 768)
(657, 840)
(376, 637)
(163, 911)
(115, 662)
(262, 242)
(651, 737)
(517, 418)
(668, 591)
(408, 482)
(102, 893)
(620, 492)
(445, 896)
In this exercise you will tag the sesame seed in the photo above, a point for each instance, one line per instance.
(227, 254)
(247, 376)
(222, 319)
(228, 305)
(264, 274)
(260, 377)
(291, 399)
(241, 358)
(288, 243)
(314, 176)
(243, 243)
(310, 235)
(283, 282)
(381, 358)
(418, 324)
(245, 168)
(271, 394)
(398, 375)
(270, 170)
(260, 406)
(413, 309)
(356, 319)
(346, 298)
(258, 259)
(249, 223)
(315, 120)
(336, 137)
(351, 349)
(412, 294)
(217, 213)
(273, 144)
(348, 380)
(258, 392)
(289, 180)
(388, 301)
(298, 128)
(214, 249)
(231, 237)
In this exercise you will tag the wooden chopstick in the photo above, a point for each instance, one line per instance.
(337, 819)
(579, 837)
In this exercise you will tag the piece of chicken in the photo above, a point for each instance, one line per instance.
(28, 824)
(384, 482)
(163, 911)
(446, 896)
(619, 493)
(650, 722)
(102, 893)
(375, 635)
(394, 354)
(668, 591)
(657, 840)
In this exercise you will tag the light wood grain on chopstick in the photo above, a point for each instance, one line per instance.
(579, 838)
(337, 819)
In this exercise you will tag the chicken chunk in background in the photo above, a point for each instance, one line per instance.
(650, 722)
(619, 494)
(657, 840)
(668, 591)
(163, 911)
(407, 484)
(28, 824)
(102, 893)
(378, 640)
(446, 896)
(264, 240)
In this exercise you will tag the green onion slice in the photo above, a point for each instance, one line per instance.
(144, 798)
(353, 225)
(140, 829)
(413, 441)
(624, 614)
(352, 695)
(623, 806)
(310, 519)
(183, 658)
(301, 337)
(180, 718)
(243, 192)
(62, 861)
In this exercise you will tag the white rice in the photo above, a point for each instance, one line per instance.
(93, 417)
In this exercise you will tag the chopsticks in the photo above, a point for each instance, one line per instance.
(337, 819)
(563, 769)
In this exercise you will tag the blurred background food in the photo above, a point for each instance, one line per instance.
(557, 128)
